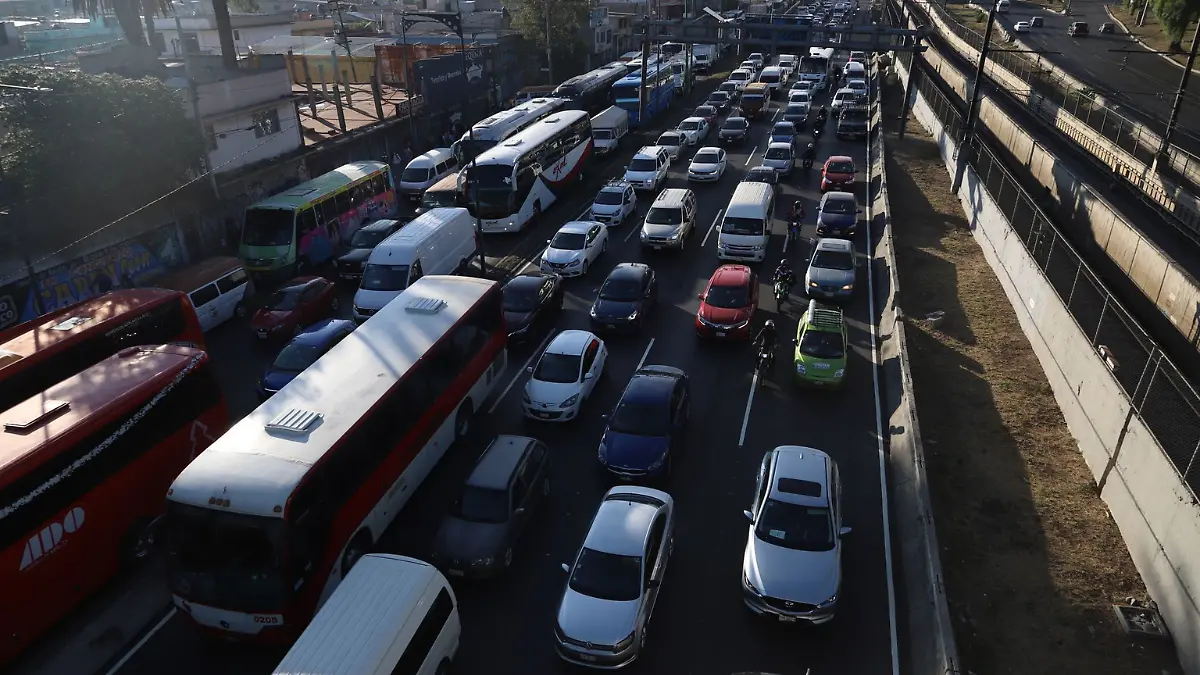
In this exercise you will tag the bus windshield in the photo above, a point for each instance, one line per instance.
(814, 66)
(466, 149)
(491, 188)
(267, 227)
(226, 560)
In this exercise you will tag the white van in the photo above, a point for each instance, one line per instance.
(773, 77)
(216, 287)
(746, 226)
(425, 170)
(439, 241)
(855, 71)
(391, 614)
(608, 128)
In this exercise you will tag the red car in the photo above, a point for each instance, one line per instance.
(298, 304)
(708, 112)
(728, 303)
(838, 174)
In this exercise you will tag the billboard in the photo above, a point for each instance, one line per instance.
(443, 83)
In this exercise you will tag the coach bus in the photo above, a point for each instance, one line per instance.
(287, 234)
(262, 527)
(516, 181)
(660, 92)
(490, 131)
(85, 466)
(592, 91)
(38, 354)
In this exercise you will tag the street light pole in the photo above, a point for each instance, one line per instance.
(549, 56)
(474, 194)
(1178, 104)
(964, 144)
(408, 92)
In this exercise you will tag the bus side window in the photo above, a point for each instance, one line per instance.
(307, 220)
(341, 203)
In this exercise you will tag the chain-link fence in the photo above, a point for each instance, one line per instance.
(1161, 396)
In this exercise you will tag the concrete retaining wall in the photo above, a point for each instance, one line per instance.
(1157, 516)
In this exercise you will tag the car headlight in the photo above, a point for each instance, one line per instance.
(592, 312)
(487, 562)
(525, 397)
(812, 284)
(743, 324)
(757, 247)
(569, 402)
(839, 372)
(642, 235)
(830, 602)
(658, 463)
(800, 369)
(749, 586)
(848, 287)
(675, 236)
(624, 644)
(602, 454)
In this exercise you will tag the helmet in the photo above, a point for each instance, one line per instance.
(769, 324)
(811, 146)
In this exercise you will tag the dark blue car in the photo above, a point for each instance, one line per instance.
(302, 352)
(837, 214)
(647, 425)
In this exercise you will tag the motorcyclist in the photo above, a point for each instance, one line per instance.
(809, 153)
(785, 274)
(822, 114)
(766, 338)
(796, 213)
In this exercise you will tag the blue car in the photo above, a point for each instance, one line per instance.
(302, 352)
(837, 214)
(647, 425)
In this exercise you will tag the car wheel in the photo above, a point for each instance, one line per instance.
(508, 557)
(585, 269)
(335, 304)
(462, 421)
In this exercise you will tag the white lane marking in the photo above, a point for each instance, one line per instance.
(142, 642)
(516, 376)
(749, 405)
(632, 231)
(875, 365)
(711, 228)
(776, 113)
(644, 355)
(751, 155)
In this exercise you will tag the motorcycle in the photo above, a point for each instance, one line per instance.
(808, 162)
(817, 133)
(762, 364)
(781, 292)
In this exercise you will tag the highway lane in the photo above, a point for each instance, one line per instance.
(1141, 81)
(509, 621)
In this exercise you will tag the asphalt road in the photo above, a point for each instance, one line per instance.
(1141, 81)
(700, 625)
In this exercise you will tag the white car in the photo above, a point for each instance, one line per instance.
(564, 376)
(800, 96)
(781, 157)
(707, 165)
(741, 77)
(1021, 27)
(860, 57)
(801, 85)
(574, 248)
(649, 167)
(695, 129)
(857, 85)
(673, 141)
(750, 66)
(843, 98)
(614, 203)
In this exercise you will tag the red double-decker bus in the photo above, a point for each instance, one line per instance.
(262, 527)
(84, 466)
(40, 353)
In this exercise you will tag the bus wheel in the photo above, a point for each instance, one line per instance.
(357, 549)
(138, 543)
(537, 211)
(462, 421)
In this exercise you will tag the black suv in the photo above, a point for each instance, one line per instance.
(350, 264)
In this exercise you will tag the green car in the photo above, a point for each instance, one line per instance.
(820, 358)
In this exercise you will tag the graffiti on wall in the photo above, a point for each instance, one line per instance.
(133, 262)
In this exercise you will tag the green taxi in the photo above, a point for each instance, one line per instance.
(820, 357)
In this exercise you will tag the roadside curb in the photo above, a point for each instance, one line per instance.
(1145, 46)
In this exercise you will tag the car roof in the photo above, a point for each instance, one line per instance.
(650, 151)
(839, 196)
(298, 282)
(379, 225)
(787, 125)
(779, 144)
(707, 148)
(731, 275)
(802, 465)
(577, 226)
(322, 331)
(570, 342)
(527, 281)
(671, 132)
(629, 270)
(693, 118)
(621, 526)
(735, 118)
(839, 158)
(496, 466)
(670, 197)
(649, 387)
(832, 244)
(615, 186)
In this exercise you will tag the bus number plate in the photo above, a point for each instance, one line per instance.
(267, 620)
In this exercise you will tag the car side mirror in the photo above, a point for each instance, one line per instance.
(605, 417)
(529, 370)
(566, 568)
(700, 297)
(749, 516)
(858, 211)
(587, 376)
(844, 531)
(520, 512)
(654, 583)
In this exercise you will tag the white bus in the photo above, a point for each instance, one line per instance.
(681, 68)
(520, 178)
(816, 66)
(490, 131)
(263, 526)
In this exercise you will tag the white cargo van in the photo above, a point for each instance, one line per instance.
(704, 57)
(439, 241)
(746, 226)
(608, 128)
(391, 614)
(425, 170)
(216, 287)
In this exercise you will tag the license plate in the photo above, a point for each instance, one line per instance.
(262, 335)
(454, 573)
(787, 619)
(347, 276)
(656, 247)
(541, 414)
(587, 657)
(610, 325)
(720, 333)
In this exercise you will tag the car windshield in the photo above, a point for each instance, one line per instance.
(607, 576)
(367, 238)
(385, 277)
(796, 109)
(750, 98)
(643, 164)
(842, 207)
(854, 115)
(569, 241)
(840, 167)
(707, 158)
(559, 368)
(821, 344)
(295, 358)
(602, 134)
(757, 175)
(801, 528)
(739, 75)
(778, 153)
(665, 215)
(769, 78)
(640, 419)
(520, 298)
(690, 125)
(482, 505)
(284, 299)
(414, 175)
(609, 197)
(267, 227)
(728, 297)
(705, 111)
(669, 140)
(783, 130)
(719, 96)
(440, 199)
(833, 260)
(736, 125)
(621, 290)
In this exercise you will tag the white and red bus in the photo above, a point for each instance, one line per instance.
(84, 466)
(262, 527)
(45, 351)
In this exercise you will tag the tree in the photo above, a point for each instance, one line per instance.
(1175, 16)
(84, 150)
(567, 18)
(128, 14)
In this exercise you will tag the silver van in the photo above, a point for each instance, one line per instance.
(424, 170)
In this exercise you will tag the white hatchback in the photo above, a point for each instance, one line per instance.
(574, 248)
(564, 377)
(695, 129)
(673, 141)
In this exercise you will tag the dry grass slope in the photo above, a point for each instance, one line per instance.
(1032, 559)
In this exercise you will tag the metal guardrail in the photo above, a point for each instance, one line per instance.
(1160, 395)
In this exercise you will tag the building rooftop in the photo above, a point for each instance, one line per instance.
(360, 112)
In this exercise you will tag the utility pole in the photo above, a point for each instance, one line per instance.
(645, 61)
(229, 55)
(1175, 107)
(1142, 14)
(194, 99)
(408, 91)
(344, 40)
(914, 72)
(964, 143)
(549, 57)
(474, 194)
